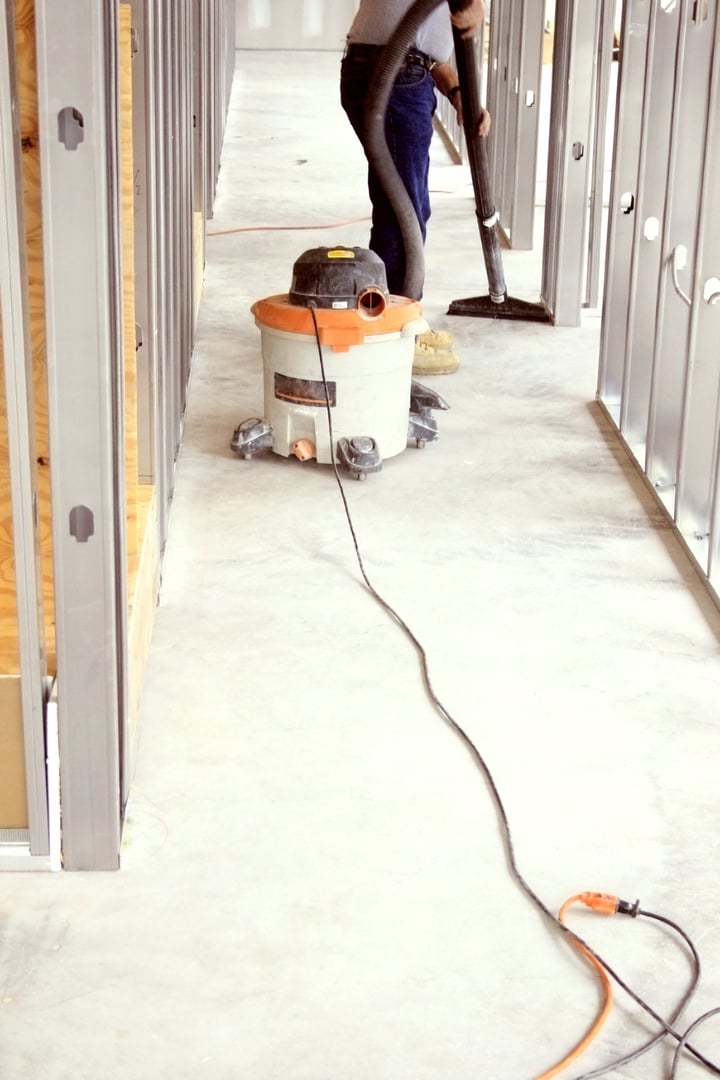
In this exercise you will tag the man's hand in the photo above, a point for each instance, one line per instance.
(484, 122)
(471, 19)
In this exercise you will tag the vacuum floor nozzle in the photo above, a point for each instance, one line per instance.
(484, 307)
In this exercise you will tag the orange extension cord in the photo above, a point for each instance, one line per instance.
(285, 228)
(604, 904)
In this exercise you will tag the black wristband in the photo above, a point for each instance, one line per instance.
(452, 92)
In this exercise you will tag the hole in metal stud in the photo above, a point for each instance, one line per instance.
(71, 127)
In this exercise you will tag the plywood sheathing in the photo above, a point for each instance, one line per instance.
(9, 647)
(29, 132)
(13, 790)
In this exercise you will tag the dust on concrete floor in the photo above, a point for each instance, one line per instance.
(314, 884)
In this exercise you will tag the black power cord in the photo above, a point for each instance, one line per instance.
(683, 1043)
(617, 1063)
(516, 873)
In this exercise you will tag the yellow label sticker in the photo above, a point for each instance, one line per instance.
(341, 253)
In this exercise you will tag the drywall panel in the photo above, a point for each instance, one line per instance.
(293, 24)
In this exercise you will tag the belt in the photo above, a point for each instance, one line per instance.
(361, 51)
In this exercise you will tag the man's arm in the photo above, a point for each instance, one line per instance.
(471, 19)
(446, 79)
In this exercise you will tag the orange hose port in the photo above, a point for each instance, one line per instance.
(304, 449)
(371, 302)
(607, 905)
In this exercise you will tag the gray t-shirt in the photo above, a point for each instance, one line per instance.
(377, 19)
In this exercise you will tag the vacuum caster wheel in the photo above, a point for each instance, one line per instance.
(250, 437)
(359, 455)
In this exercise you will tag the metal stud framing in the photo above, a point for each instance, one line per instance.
(200, 95)
(144, 93)
(513, 99)
(605, 29)
(211, 157)
(77, 91)
(660, 365)
(219, 53)
(570, 158)
(17, 364)
(573, 242)
(182, 73)
(183, 62)
(186, 50)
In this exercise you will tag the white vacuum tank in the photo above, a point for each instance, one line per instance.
(367, 338)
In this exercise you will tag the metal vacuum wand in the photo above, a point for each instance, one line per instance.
(466, 63)
(497, 305)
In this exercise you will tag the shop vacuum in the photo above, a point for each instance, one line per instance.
(339, 303)
(362, 390)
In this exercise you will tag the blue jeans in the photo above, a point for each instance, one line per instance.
(408, 130)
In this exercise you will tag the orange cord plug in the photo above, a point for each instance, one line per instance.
(602, 902)
(605, 904)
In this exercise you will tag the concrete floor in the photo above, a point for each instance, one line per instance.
(314, 885)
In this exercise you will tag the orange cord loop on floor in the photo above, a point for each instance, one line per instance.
(604, 904)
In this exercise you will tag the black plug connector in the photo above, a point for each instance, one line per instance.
(624, 907)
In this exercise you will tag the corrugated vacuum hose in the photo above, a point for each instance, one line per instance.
(376, 147)
(498, 304)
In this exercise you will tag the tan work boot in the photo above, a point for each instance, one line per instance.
(434, 353)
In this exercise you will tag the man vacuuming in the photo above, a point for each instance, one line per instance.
(408, 129)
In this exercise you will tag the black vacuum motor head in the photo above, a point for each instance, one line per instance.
(339, 277)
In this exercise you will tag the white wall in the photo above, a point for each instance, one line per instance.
(293, 24)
